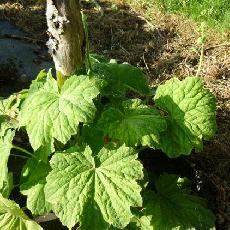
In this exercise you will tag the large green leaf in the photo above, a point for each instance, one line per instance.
(140, 221)
(80, 185)
(32, 184)
(13, 218)
(93, 137)
(5, 147)
(134, 124)
(121, 78)
(48, 113)
(92, 218)
(8, 114)
(39, 81)
(172, 207)
(8, 123)
(191, 115)
(8, 185)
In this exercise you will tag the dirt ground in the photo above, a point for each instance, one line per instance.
(162, 46)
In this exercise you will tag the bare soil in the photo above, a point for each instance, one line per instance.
(162, 46)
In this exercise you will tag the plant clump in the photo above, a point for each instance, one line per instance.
(86, 137)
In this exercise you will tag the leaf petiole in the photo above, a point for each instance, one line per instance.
(22, 150)
(20, 156)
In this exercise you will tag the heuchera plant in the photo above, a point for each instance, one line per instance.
(85, 137)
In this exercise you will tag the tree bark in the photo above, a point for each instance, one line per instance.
(66, 36)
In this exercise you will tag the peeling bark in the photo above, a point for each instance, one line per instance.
(66, 35)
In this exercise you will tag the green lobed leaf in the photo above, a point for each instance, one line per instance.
(49, 114)
(134, 124)
(8, 114)
(93, 137)
(97, 58)
(8, 185)
(13, 218)
(121, 78)
(191, 115)
(5, 148)
(92, 218)
(140, 221)
(8, 123)
(39, 81)
(33, 181)
(81, 185)
(170, 207)
(36, 84)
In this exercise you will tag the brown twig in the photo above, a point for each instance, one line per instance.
(45, 218)
(216, 46)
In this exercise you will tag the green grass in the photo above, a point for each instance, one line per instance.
(216, 13)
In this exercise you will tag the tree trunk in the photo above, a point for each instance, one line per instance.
(66, 37)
